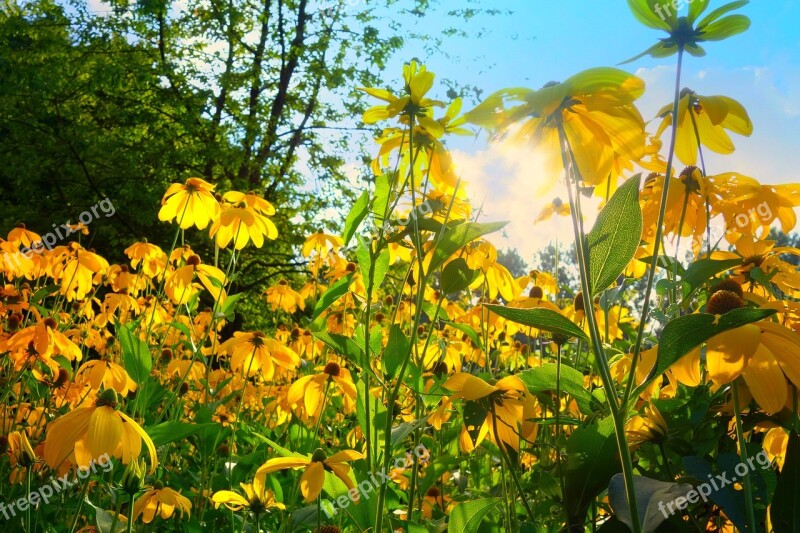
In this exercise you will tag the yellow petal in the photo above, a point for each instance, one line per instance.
(765, 380)
(312, 481)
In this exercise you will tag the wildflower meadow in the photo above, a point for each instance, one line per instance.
(392, 373)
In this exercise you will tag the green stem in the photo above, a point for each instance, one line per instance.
(748, 489)
(637, 348)
(617, 413)
(80, 505)
(502, 447)
(131, 501)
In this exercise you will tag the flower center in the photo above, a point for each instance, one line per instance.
(723, 301)
(332, 369)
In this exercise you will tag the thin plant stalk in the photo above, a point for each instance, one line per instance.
(637, 347)
(748, 489)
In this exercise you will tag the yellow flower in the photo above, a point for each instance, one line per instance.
(508, 406)
(418, 81)
(257, 499)
(648, 428)
(180, 285)
(41, 342)
(190, 204)
(94, 430)
(712, 115)
(595, 109)
(320, 242)
(151, 257)
(764, 354)
(282, 295)
(310, 390)
(253, 352)
(315, 467)
(105, 373)
(77, 269)
(160, 500)
(556, 207)
(240, 222)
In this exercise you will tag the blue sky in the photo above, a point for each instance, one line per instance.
(550, 40)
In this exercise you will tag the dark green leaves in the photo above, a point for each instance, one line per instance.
(615, 236)
(467, 516)
(539, 318)
(785, 509)
(592, 459)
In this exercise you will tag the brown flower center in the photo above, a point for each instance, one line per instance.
(723, 301)
(332, 369)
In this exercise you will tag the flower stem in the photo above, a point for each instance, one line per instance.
(637, 347)
(748, 489)
(618, 413)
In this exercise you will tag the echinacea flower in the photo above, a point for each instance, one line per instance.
(190, 204)
(96, 429)
(314, 469)
(257, 499)
(160, 500)
(99, 373)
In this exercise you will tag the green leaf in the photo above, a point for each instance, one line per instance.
(543, 378)
(703, 269)
(467, 516)
(457, 276)
(334, 292)
(342, 345)
(592, 459)
(696, 8)
(356, 215)
(717, 13)
(646, 13)
(469, 331)
(615, 236)
(539, 318)
(135, 354)
(727, 27)
(380, 268)
(454, 238)
(396, 351)
(785, 508)
(399, 433)
(227, 309)
(686, 333)
(167, 432)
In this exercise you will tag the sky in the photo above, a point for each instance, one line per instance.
(546, 41)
